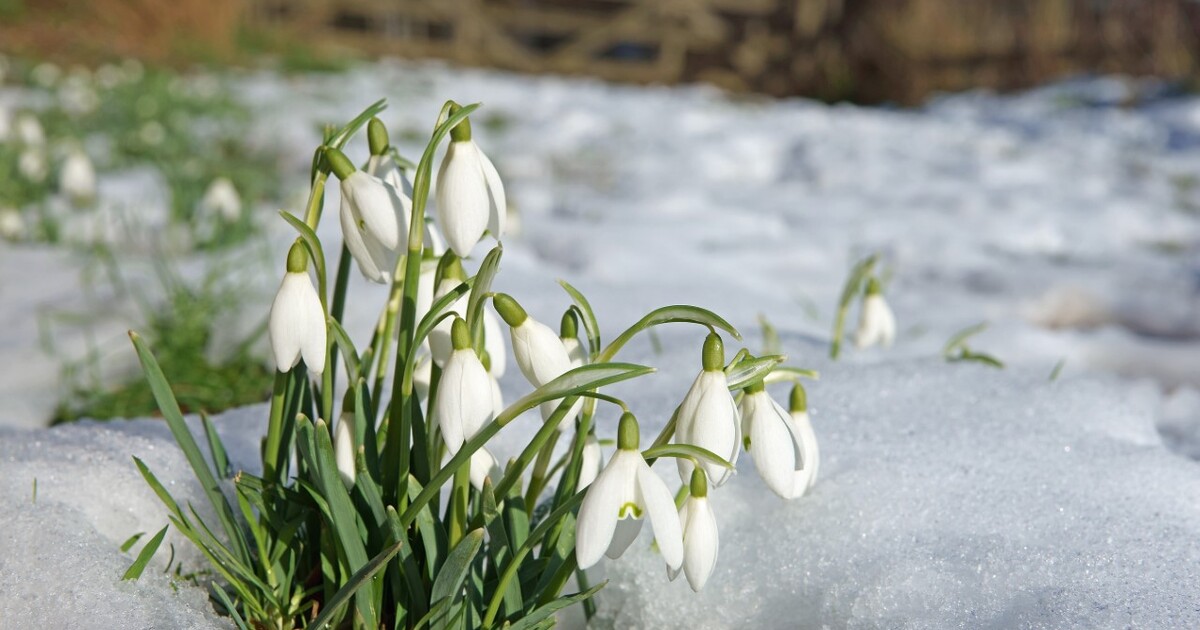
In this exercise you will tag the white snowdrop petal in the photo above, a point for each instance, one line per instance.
(770, 444)
(296, 325)
(597, 520)
(539, 352)
(498, 211)
(373, 206)
(483, 465)
(367, 258)
(313, 334)
(343, 449)
(713, 424)
(700, 543)
(626, 532)
(462, 198)
(285, 341)
(660, 508)
(592, 462)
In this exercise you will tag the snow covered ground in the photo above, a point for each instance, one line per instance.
(950, 494)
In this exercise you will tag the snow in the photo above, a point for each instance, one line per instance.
(950, 494)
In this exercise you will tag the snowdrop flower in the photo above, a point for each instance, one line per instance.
(807, 477)
(12, 226)
(465, 402)
(616, 502)
(708, 417)
(32, 165)
(77, 179)
(774, 442)
(876, 323)
(700, 543)
(569, 334)
(369, 216)
(470, 195)
(222, 199)
(29, 131)
(297, 323)
(539, 352)
(343, 447)
(452, 274)
(592, 462)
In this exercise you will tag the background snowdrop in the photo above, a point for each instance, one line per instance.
(876, 323)
(296, 325)
(470, 195)
(708, 416)
(700, 540)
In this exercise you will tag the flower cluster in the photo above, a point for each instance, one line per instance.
(358, 503)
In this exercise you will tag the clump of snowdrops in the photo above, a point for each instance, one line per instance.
(379, 503)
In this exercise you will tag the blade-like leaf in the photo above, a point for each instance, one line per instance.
(356, 581)
(174, 418)
(532, 619)
(665, 315)
(313, 244)
(571, 382)
(960, 338)
(483, 284)
(752, 370)
(135, 570)
(688, 451)
(454, 571)
(345, 133)
(215, 447)
(858, 274)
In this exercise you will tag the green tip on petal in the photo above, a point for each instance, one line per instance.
(459, 334)
(297, 259)
(874, 287)
(341, 165)
(699, 486)
(569, 326)
(799, 400)
(509, 310)
(756, 387)
(348, 402)
(462, 131)
(377, 137)
(628, 434)
(714, 353)
(450, 267)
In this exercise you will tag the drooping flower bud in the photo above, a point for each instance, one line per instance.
(708, 417)
(876, 323)
(470, 195)
(297, 321)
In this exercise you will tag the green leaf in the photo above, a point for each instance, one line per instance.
(752, 370)
(360, 578)
(483, 284)
(783, 373)
(687, 451)
(543, 612)
(571, 382)
(215, 447)
(139, 565)
(345, 133)
(349, 354)
(669, 314)
(223, 597)
(959, 339)
(590, 325)
(131, 541)
(450, 578)
(174, 418)
(771, 343)
(854, 283)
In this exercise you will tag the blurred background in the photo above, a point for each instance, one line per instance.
(866, 51)
(1030, 163)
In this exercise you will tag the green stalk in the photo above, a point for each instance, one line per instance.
(275, 429)
(457, 508)
(538, 479)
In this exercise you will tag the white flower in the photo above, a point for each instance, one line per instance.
(625, 492)
(29, 131)
(32, 165)
(577, 357)
(222, 199)
(592, 464)
(369, 224)
(12, 226)
(344, 450)
(876, 323)
(807, 477)
(297, 322)
(470, 195)
(538, 350)
(440, 345)
(708, 417)
(466, 401)
(700, 541)
(78, 178)
(774, 443)
(423, 376)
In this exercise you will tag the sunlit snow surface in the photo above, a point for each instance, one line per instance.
(951, 495)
